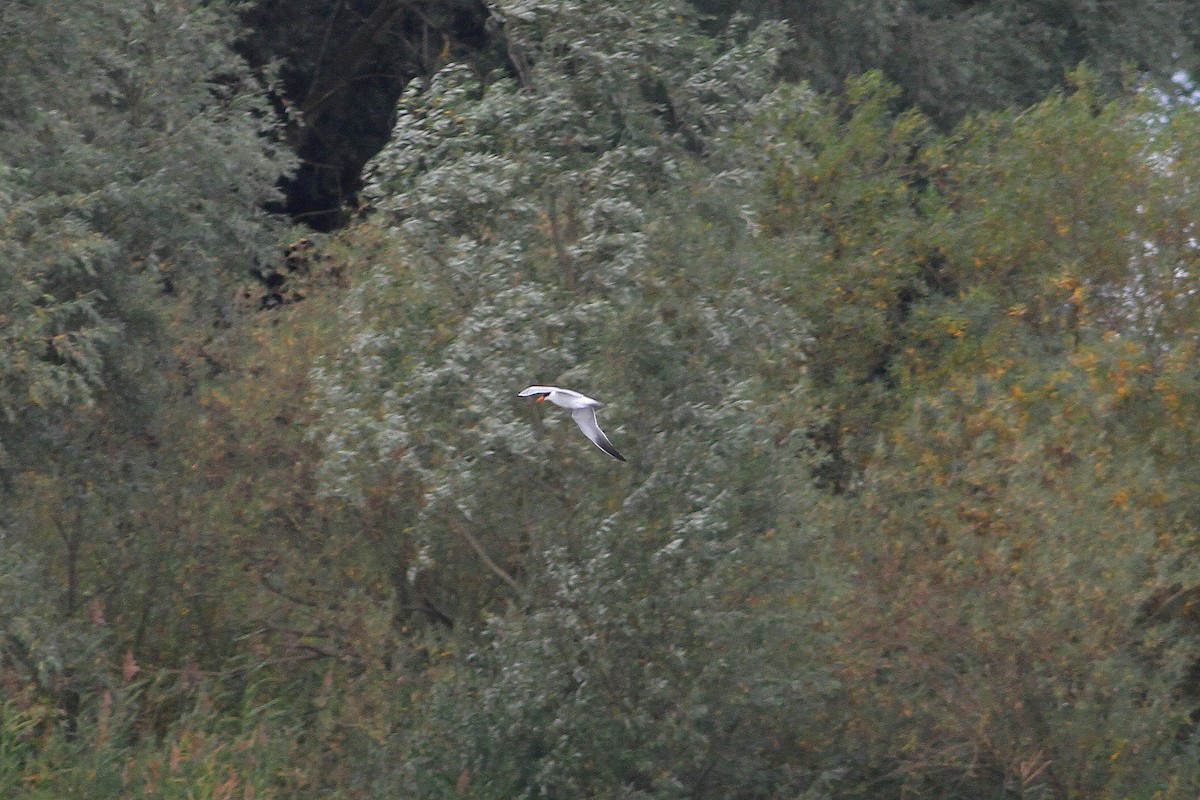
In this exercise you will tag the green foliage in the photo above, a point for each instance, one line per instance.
(48, 661)
(642, 673)
(952, 59)
(970, 310)
(1007, 534)
(536, 229)
(134, 169)
(910, 418)
(843, 203)
(1011, 519)
(133, 164)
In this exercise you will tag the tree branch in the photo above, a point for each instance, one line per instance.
(492, 565)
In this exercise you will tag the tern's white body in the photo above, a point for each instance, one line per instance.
(583, 411)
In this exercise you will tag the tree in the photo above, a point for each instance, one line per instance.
(583, 224)
(136, 169)
(1013, 525)
(524, 215)
(116, 198)
(640, 672)
(952, 58)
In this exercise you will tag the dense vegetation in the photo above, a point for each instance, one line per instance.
(910, 410)
(343, 64)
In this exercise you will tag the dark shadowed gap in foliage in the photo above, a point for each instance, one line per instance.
(342, 67)
(290, 279)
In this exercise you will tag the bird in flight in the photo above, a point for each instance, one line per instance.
(583, 411)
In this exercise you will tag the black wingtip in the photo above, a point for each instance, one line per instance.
(612, 451)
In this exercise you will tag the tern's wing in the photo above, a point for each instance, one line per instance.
(586, 419)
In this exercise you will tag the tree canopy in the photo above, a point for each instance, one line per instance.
(906, 393)
(344, 64)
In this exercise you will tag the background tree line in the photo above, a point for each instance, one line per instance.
(893, 307)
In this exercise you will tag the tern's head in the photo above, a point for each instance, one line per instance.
(542, 397)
